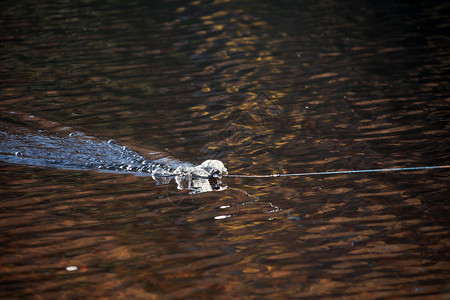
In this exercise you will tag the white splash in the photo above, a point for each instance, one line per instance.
(222, 217)
(71, 268)
(209, 168)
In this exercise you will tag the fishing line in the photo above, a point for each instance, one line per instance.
(337, 172)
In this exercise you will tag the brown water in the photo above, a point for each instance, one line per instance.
(272, 87)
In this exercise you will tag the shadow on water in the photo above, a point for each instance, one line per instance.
(273, 87)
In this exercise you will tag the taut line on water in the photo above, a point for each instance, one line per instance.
(336, 172)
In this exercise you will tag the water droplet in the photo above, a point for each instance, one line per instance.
(71, 268)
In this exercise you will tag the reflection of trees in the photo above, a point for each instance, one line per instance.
(130, 70)
(237, 54)
(184, 76)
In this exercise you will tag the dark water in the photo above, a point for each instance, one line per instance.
(273, 87)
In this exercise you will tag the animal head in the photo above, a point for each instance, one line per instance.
(214, 167)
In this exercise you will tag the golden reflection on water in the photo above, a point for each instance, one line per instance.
(268, 89)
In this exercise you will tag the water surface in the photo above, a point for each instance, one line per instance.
(274, 87)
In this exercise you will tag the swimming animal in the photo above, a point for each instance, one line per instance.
(75, 150)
